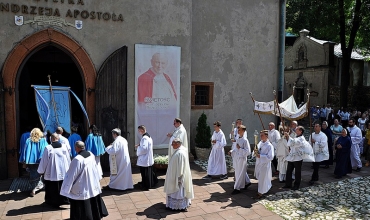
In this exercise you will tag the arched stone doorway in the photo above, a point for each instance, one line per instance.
(10, 72)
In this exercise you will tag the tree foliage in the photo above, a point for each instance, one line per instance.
(342, 21)
(203, 136)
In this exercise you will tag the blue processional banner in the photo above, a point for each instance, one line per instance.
(53, 111)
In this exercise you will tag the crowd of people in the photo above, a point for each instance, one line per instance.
(71, 175)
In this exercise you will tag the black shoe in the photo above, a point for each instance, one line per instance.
(311, 182)
(247, 185)
(223, 177)
(235, 192)
(358, 169)
(282, 181)
(295, 188)
(208, 177)
(338, 177)
(286, 187)
(107, 188)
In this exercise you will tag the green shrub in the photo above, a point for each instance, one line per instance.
(203, 136)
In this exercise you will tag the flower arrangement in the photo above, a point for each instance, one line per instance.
(160, 159)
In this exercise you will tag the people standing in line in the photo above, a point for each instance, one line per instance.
(62, 139)
(344, 115)
(72, 140)
(319, 143)
(239, 154)
(33, 151)
(22, 141)
(331, 118)
(362, 122)
(178, 185)
(323, 114)
(145, 160)
(299, 149)
(95, 144)
(53, 166)
(120, 163)
(81, 185)
(179, 132)
(356, 138)
(216, 161)
(274, 137)
(327, 131)
(282, 151)
(342, 156)
(263, 169)
(336, 129)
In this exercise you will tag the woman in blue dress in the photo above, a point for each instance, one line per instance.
(31, 156)
(94, 143)
(343, 162)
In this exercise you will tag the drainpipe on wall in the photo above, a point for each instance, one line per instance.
(281, 50)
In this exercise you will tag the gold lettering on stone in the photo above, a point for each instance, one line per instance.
(33, 10)
(92, 15)
(120, 17)
(48, 11)
(41, 11)
(24, 9)
(15, 8)
(56, 13)
(69, 13)
(4, 7)
(76, 13)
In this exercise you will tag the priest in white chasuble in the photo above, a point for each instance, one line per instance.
(81, 185)
(240, 154)
(120, 163)
(216, 160)
(54, 164)
(263, 169)
(179, 132)
(178, 185)
(145, 160)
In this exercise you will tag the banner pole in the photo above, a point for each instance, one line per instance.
(257, 112)
(52, 98)
(281, 118)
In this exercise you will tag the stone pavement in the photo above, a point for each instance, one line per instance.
(213, 199)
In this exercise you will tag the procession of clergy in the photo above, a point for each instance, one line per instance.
(77, 182)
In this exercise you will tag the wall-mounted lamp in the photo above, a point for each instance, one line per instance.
(8, 89)
(90, 90)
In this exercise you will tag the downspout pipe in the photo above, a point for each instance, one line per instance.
(281, 51)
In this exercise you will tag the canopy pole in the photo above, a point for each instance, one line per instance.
(309, 111)
(52, 98)
(257, 112)
(281, 118)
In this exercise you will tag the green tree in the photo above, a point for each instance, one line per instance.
(344, 21)
(203, 136)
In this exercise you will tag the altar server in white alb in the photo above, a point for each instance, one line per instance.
(240, 154)
(179, 132)
(81, 185)
(282, 151)
(234, 135)
(63, 140)
(216, 161)
(119, 162)
(274, 137)
(263, 170)
(319, 142)
(54, 164)
(356, 137)
(178, 185)
(145, 160)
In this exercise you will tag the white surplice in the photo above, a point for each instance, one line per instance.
(216, 161)
(240, 161)
(300, 149)
(356, 138)
(64, 140)
(282, 151)
(236, 137)
(82, 179)
(320, 147)
(274, 137)
(178, 184)
(123, 179)
(54, 163)
(180, 132)
(263, 170)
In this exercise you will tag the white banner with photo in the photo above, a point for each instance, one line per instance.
(157, 93)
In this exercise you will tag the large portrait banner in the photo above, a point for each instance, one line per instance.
(157, 93)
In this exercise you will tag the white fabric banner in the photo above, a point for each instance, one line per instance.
(264, 107)
(157, 94)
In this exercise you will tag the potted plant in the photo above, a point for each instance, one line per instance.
(203, 138)
(160, 161)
